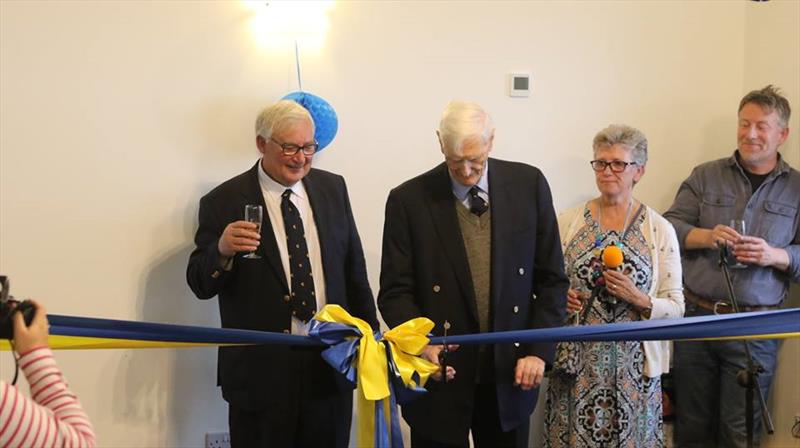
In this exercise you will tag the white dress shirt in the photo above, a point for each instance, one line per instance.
(272, 192)
(461, 192)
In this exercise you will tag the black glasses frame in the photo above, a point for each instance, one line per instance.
(291, 149)
(617, 166)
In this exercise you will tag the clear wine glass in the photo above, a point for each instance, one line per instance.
(739, 226)
(254, 214)
(577, 285)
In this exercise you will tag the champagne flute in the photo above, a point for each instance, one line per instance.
(254, 214)
(739, 226)
(577, 285)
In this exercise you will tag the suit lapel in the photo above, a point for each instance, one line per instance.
(442, 205)
(268, 248)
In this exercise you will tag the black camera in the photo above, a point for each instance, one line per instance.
(9, 306)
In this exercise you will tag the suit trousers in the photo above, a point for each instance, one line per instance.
(486, 429)
(317, 414)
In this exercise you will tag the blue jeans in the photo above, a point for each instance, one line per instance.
(710, 404)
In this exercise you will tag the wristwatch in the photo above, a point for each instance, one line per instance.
(645, 312)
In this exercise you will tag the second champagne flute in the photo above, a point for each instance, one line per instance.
(254, 214)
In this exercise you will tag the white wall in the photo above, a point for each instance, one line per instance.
(115, 117)
(768, 59)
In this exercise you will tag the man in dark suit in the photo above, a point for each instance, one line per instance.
(310, 255)
(474, 243)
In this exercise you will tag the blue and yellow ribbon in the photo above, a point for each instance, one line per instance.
(70, 332)
(367, 359)
(780, 324)
(387, 370)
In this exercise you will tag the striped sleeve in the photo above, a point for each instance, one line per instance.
(52, 417)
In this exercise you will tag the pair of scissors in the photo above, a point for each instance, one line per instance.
(443, 354)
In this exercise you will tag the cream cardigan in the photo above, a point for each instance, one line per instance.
(666, 290)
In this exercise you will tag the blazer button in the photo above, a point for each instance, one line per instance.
(436, 288)
(516, 309)
(516, 344)
(286, 298)
(533, 296)
(215, 274)
(286, 331)
(521, 271)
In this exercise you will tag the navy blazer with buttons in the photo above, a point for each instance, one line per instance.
(425, 272)
(251, 295)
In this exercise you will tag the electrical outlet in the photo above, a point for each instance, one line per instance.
(218, 440)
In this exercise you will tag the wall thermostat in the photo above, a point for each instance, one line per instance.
(519, 84)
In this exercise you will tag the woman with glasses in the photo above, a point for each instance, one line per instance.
(609, 393)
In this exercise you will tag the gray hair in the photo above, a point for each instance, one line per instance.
(770, 99)
(462, 120)
(279, 116)
(632, 139)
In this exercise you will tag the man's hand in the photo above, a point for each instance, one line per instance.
(754, 250)
(722, 234)
(431, 353)
(239, 236)
(28, 338)
(699, 238)
(529, 372)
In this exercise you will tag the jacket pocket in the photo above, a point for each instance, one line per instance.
(778, 224)
(716, 208)
(780, 209)
(718, 200)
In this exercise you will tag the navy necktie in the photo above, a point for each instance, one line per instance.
(303, 302)
(477, 205)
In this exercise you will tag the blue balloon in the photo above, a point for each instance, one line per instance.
(325, 120)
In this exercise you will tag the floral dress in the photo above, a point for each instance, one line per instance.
(598, 395)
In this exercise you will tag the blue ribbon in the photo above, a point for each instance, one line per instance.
(781, 323)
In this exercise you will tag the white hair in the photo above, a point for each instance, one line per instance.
(632, 139)
(277, 117)
(461, 121)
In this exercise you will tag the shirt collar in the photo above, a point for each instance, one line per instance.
(273, 187)
(780, 168)
(461, 191)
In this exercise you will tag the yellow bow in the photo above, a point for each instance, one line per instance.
(406, 342)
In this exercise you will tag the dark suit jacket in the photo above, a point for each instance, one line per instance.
(251, 294)
(425, 272)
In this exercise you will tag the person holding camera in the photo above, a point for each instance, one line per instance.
(52, 416)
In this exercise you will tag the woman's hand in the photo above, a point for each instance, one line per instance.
(574, 301)
(620, 286)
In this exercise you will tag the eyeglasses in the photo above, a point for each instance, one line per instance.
(291, 149)
(617, 166)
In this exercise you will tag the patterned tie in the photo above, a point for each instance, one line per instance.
(303, 299)
(477, 204)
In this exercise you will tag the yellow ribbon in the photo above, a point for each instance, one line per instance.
(406, 342)
(58, 342)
